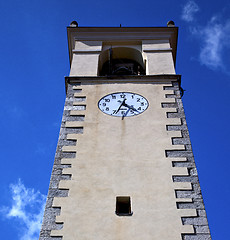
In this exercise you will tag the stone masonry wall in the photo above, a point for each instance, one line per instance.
(51, 212)
(199, 222)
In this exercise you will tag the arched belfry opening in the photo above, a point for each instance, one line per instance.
(121, 61)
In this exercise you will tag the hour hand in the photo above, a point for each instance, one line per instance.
(122, 103)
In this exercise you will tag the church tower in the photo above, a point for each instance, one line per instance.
(124, 167)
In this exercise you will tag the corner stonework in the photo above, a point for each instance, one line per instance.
(51, 212)
(186, 199)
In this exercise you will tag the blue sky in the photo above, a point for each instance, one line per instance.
(34, 60)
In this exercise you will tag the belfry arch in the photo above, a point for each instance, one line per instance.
(121, 61)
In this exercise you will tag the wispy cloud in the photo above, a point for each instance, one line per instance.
(214, 38)
(27, 209)
(189, 10)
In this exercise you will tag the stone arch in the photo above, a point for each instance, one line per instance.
(121, 61)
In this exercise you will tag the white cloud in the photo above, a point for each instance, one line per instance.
(210, 54)
(189, 10)
(27, 209)
(214, 38)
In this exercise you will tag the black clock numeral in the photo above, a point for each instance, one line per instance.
(138, 99)
(132, 96)
(103, 104)
(114, 97)
(122, 95)
(107, 109)
(114, 111)
(139, 108)
(142, 103)
(107, 100)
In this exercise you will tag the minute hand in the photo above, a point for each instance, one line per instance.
(131, 107)
(122, 104)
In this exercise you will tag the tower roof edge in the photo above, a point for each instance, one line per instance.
(75, 33)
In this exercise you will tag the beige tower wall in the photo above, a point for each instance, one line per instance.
(117, 157)
(85, 58)
(147, 157)
(159, 57)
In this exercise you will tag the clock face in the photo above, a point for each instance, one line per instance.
(123, 104)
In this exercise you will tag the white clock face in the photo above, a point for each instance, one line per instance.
(123, 104)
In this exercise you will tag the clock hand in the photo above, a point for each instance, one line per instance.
(123, 102)
(125, 114)
(130, 107)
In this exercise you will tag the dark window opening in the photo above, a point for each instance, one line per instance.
(123, 206)
(121, 61)
(122, 67)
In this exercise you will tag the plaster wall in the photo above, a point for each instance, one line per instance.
(121, 158)
(88, 45)
(85, 58)
(159, 57)
(157, 53)
(135, 45)
(160, 63)
(84, 64)
(155, 44)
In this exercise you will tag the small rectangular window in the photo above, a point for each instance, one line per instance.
(123, 206)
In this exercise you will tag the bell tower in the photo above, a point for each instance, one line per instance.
(124, 167)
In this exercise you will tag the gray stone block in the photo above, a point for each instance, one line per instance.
(52, 225)
(58, 193)
(49, 202)
(176, 127)
(68, 155)
(202, 213)
(178, 153)
(175, 115)
(185, 133)
(180, 141)
(169, 105)
(193, 172)
(202, 229)
(195, 205)
(185, 179)
(188, 147)
(65, 142)
(183, 164)
(50, 238)
(74, 130)
(79, 118)
(194, 220)
(50, 212)
(188, 194)
(197, 237)
(79, 99)
(170, 95)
